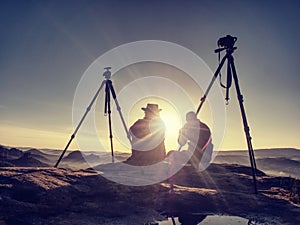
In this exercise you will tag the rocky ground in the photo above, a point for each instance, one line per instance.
(64, 196)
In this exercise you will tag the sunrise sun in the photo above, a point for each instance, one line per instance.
(172, 119)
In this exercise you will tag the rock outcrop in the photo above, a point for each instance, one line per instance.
(65, 196)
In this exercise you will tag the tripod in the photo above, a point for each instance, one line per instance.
(109, 90)
(228, 45)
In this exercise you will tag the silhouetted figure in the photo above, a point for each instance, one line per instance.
(148, 135)
(198, 136)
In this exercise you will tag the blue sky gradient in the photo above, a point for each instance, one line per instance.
(45, 47)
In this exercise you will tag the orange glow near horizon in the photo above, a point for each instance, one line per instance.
(169, 114)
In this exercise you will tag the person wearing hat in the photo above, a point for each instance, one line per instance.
(148, 135)
(198, 137)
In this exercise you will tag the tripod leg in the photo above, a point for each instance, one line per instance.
(107, 106)
(173, 220)
(211, 83)
(119, 110)
(229, 80)
(64, 151)
(81, 121)
(245, 122)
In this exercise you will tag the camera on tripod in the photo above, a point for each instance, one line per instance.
(227, 42)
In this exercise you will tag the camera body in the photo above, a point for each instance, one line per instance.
(227, 42)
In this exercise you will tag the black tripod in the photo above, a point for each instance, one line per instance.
(227, 43)
(109, 89)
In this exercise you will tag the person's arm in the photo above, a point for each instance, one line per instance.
(182, 139)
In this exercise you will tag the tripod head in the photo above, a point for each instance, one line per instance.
(107, 73)
(226, 43)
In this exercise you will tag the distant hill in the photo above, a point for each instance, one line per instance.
(35, 151)
(278, 152)
(232, 159)
(74, 156)
(280, 162)
(43, 157)
(79, 158)
(14, 157)
(264, 153)
(92, 158)
(10, 153)
(3, 152)
(279, 166)
(51, 151)
(15, 152)
(28, 161)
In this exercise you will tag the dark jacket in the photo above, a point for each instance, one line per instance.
(148, 141)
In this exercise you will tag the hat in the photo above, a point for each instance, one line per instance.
(152, 108)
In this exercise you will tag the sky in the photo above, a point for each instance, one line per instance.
(46, 47)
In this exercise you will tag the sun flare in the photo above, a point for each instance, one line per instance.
(169, 114)
(173, 124)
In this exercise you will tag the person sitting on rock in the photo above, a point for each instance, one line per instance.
(148, 135)
(198, 136)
